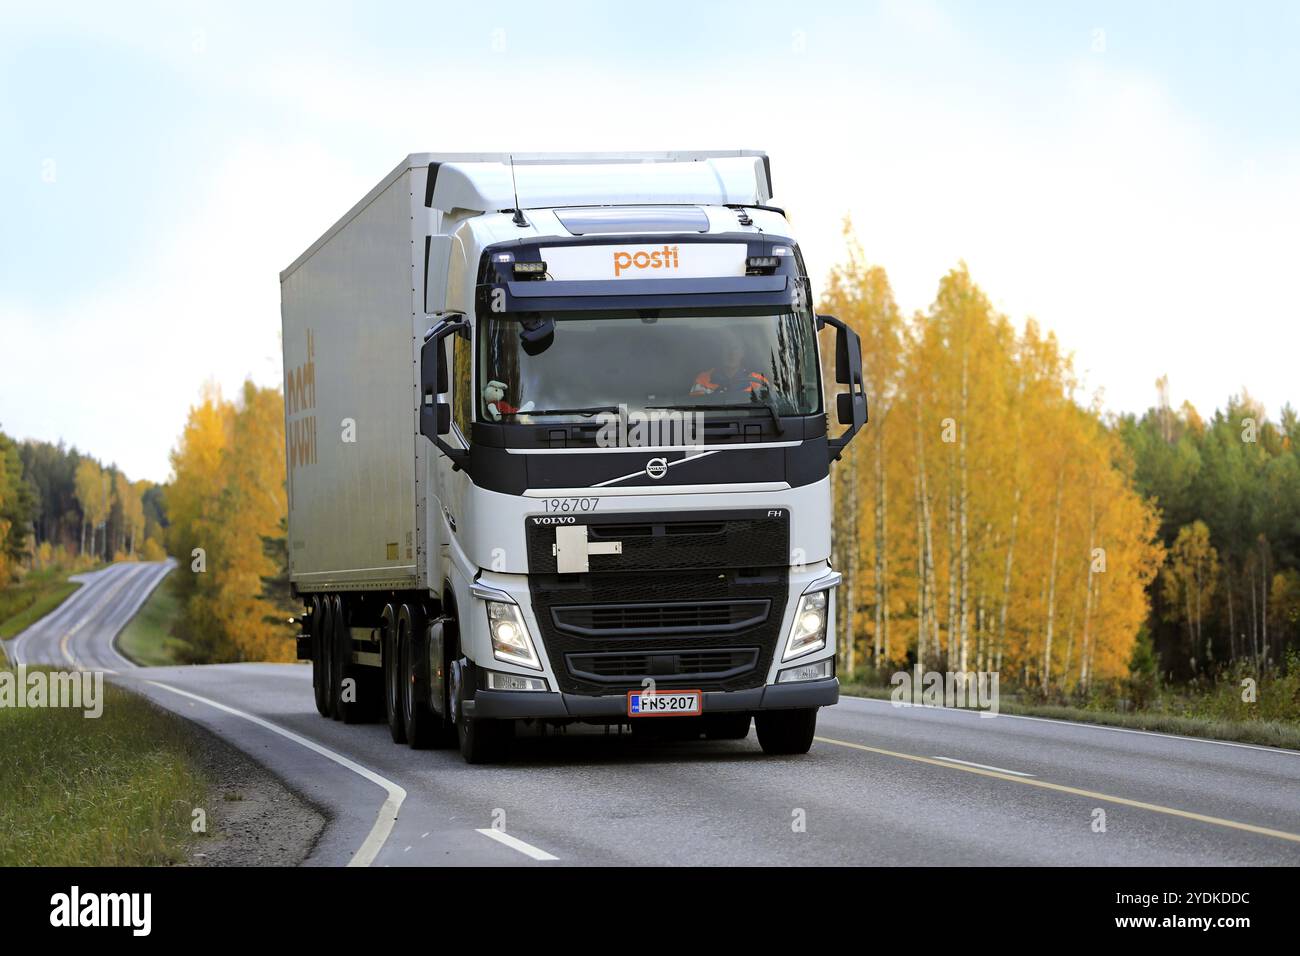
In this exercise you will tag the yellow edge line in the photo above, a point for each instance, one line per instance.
(1062, 788)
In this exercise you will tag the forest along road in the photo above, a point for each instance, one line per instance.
(883, 785)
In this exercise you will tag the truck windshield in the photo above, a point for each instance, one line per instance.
(597, 362)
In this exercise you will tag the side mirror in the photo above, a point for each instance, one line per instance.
(435, 380)
(850, 406)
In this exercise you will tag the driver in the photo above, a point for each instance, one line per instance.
(732, 374)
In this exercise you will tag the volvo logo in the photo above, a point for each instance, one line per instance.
(557, 520)
(656, 467)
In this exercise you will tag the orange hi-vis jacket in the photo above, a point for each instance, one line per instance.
(707, 382)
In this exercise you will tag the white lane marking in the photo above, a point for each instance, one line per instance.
(383, 825)
(984, 766)
(527, 849)
(1087, 726)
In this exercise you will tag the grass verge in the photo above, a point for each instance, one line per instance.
(118, 790)
(22, 605)
(147, 639)
(1267, 733)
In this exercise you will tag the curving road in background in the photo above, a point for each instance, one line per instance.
(883, 785)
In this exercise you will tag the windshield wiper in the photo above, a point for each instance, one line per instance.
(768, 406)
(593, 410)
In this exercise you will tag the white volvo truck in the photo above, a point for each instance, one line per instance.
(557, 452)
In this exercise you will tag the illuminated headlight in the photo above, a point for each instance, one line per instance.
(815, 671)
(499, 681)
(809, 630)
(510, 640)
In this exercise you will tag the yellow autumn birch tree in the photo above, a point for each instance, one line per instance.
(986, 519)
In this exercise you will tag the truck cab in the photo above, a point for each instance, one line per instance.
(633, 457)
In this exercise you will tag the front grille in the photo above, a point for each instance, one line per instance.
(717, 664)
(615, 620)
(692, 600)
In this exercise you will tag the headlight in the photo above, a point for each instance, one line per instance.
(510, 640)
(809, 630)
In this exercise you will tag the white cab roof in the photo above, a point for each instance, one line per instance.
(543, 180)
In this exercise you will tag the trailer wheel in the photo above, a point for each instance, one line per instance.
(327, 655)
(786, 731)
(320, 684)
(348, 711)
(394, 708)
(413, 655)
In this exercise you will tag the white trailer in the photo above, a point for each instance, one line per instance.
(557, 451)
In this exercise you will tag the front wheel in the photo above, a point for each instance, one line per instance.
(484, 741)
(726, 726)
(786, 731)
(481, 741)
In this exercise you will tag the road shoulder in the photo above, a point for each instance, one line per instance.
(252, 817)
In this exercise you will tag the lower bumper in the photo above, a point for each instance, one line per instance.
(508, 704)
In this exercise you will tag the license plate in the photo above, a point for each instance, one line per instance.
(664, 703)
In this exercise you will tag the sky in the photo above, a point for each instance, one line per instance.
(1127, 174)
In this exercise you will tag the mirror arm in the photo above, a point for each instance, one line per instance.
(459, 456)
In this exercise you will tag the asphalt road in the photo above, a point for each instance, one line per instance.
(882, 785)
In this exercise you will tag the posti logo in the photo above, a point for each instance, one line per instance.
(641, 259)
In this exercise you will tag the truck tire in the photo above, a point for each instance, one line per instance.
(786, 731)
(484, 741)
(320, 684)
(481, 741)
(421, 722)
(444, 735)
(349, 711)
(726, 726)
(327, 655)
(394, 708)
